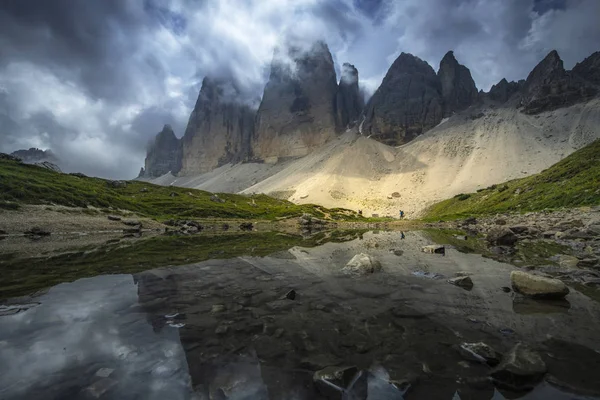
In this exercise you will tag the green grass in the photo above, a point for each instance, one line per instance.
(30, 184)
(23, 276)
(572, 182)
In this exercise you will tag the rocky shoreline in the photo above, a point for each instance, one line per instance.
(564, 244)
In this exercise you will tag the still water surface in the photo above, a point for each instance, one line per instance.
(224, 329)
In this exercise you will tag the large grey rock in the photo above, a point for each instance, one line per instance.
(220, 127)
(349, 101)
(362, 264)
(537, 286)
(521, 368)
(163, 155)
(407, 103)
(549, 86)
(297, 111)
(458, 88)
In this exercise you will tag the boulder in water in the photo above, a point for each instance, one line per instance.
(520, 369)
(537, 286)
(362, 264)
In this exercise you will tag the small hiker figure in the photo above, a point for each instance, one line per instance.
(401, 214)
(359, 212)
(402, 235)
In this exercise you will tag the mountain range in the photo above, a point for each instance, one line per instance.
(422, 136)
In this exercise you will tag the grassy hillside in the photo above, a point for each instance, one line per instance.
(572, 182)
(29, 184)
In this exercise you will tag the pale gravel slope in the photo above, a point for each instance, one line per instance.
(460, 155)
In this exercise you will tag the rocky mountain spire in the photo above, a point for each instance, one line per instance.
(458, 88)
(589, 69)
(407, 103)
(219, 129)
(349, 101)
(297, 112)
(549, 86)
(163, 155)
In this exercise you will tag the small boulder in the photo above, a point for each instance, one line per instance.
(216, 199)
(144, 190)
(291, 295)
(37, 231)
(501, 236)
(470, 221)
(519, 229)
(520, 369)
(113, 218)
(500, 221)
(464, 282)
(566, 261)
(246, 226)
(537, 286)
(129, 222)
(397, 252)
(174, 194)
(116, 184)
(434, 249)
(362, 264)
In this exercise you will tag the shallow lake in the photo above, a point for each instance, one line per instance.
(214, 318)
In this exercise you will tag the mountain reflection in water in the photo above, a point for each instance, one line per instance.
(224, 329)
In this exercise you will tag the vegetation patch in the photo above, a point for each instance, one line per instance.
(572, 182)
(29, 184)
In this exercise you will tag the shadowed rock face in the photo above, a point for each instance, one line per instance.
(503, 90)
(297, 112)
(549, 86)
(163, 155)
(219, 129)
(458, 87)
(349, 101)
(408, 102)
(589, 69)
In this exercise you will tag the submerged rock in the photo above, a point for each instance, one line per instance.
(479, 352)
(362, 264)
(537, 286)
(520, 369)
(341, 383)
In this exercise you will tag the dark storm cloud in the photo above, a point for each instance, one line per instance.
(95, 80)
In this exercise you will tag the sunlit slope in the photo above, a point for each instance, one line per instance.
(573, 181)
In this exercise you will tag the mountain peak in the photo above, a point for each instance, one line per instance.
(458, 88)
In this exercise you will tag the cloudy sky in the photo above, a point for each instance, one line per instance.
(95, 80)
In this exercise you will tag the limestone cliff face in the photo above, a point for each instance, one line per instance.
(163, 155)
(219, 129)
(408, 102)
(297, 111)
(458, 88)
(349, 101)
(549, 86)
